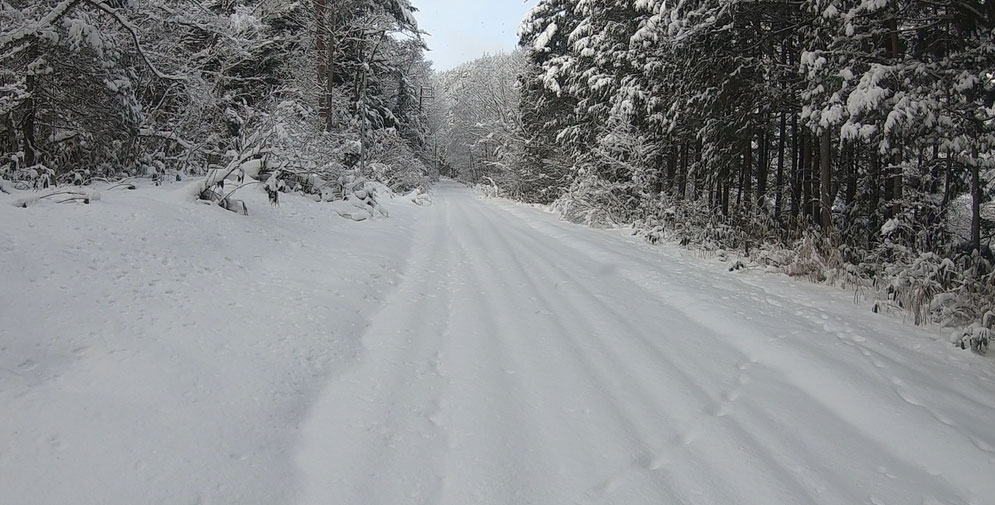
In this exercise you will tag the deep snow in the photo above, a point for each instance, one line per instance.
(156, 350)
(153, 350)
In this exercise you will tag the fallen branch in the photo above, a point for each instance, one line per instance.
(83, 196)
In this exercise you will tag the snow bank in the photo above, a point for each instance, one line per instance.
(155, 350)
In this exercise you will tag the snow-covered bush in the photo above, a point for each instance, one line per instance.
(594, 201)
(360, 198)
(393, 162)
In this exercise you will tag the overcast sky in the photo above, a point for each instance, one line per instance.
(462, 30)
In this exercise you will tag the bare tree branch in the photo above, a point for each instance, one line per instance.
(127, 25)
(12, 38)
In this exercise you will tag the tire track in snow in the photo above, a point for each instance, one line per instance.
(583, 302)
(865, 410)
(552, 368)
(374, 434)
(577, 370)
(494, 449)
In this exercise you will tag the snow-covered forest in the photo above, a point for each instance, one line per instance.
(717, 252)
(291, 95)
(844, 141)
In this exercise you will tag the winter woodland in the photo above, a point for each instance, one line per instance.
(849, 142)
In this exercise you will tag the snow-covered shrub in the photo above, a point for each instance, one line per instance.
(489, 189)
(978, 336)
(594, 201)
(913, 286)
(814, 256)
(392, 162)
(360, 198)
(243, 168)
(34, 177)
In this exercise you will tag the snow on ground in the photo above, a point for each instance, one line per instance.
(470, 352)
(155, 350)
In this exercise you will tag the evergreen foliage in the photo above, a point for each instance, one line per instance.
(854, 135)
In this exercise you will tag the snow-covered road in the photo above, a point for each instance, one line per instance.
(472, 352)
(526, 361)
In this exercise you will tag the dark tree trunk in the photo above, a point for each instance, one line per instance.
(796, 167)
(826, 179)
(739, 187)
(725, 199)
(28, 123)
(747, 184)
(806, 178)
(934, 170)
(746, 180)
(748, 170)
(320, 53)
(948, 174)
(851, 176)
(671, 168)
(873, 210)
(699, 175)
(896, 176)
(682, 181)
(763, 163)
(779, 178)
(814, 178)
(975, 201)
(897, 184)
(10, 141)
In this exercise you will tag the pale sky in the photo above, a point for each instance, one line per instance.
(462, 30)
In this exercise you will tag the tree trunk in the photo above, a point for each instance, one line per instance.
(948, 174)
(699, 175)
(739, 187)
(796, 158)
(897, 185)
(682, 184)
(321, 56)
(897, 179)
(748, 170)
(851, 176)
(28, 123)
(671, 168)
(763, 162)
(10, 140)
(725, 199)
(826, 182)
(804, 168)
(779, 179)
(975, 201)
(329, 86)
(723, 188)
(873, 210)
(814, 178)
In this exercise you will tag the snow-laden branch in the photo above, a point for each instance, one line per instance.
(127, 25)
(30, 29)
(165, 135)
(16, 40)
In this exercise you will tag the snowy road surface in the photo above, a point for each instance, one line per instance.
(525, 361)
(467, 353)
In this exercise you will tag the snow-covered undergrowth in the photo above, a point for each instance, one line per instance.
(153, 348)
(954, 291)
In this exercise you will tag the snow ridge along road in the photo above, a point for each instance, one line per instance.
(522, 360)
